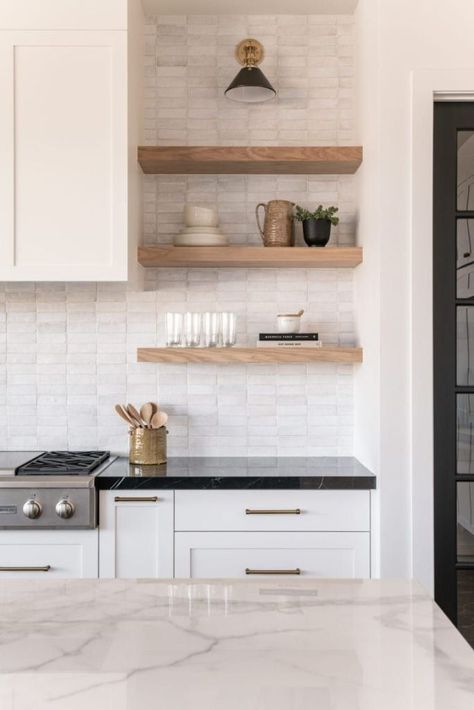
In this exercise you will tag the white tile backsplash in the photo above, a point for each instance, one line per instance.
(68, 351)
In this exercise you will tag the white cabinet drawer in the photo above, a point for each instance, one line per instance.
(212, 555)
(272, 510)
(48, 553)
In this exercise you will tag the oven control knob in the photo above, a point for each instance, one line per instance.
(32, 509)
(64, 508)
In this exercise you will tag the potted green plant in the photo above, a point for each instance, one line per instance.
(317, 224)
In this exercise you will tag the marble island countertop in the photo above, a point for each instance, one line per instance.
(232, 645)
(313, 472)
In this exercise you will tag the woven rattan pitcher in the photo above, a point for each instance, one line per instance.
(278, 230)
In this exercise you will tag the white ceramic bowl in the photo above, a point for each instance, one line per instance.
(196, 216)
(200, 240)
(288, 324)
(200, 230)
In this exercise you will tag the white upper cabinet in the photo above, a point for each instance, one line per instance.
(65, 14)
(64, 145)
(66, 192)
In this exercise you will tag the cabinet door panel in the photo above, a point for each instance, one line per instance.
(63, 133)
(45, 554)
(214, 555)
(64, 15)
(136, 534)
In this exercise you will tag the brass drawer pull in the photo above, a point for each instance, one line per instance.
(136, 499)
(289, 511)
(273, 571)
(46, 568)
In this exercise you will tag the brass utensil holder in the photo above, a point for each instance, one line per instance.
(148, 446)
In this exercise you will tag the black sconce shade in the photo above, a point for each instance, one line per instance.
(250, 86)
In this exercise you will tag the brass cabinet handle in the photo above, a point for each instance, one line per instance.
(273, 571)
(45, 568)
(136, 499)
(288, 511)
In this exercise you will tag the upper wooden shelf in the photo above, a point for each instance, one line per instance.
(256, 160)
(248, 257)
(327, 353)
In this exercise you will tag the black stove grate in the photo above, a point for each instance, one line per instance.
(70, 463)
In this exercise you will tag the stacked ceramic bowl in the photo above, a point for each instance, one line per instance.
(202, 228)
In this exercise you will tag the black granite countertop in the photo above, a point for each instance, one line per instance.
(322, 472)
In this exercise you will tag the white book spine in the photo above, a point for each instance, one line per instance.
(289, 344)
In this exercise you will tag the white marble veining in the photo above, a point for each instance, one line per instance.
(260, 645)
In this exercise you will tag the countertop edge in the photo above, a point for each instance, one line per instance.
(104, 483)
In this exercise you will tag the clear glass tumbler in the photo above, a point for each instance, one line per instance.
(192, 329)
(211, 329)
(228, 329)
(174, 329)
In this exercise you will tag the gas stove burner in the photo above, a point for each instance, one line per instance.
(57, 463)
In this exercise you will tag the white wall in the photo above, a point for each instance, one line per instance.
(405, 40)
(367, 276)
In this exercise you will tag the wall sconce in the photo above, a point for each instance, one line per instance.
(250, 85)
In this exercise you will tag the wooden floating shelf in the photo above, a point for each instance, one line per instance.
(248, 257)
(250, 355)
(257, 160)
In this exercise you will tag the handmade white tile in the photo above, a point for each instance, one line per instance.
(71, 347)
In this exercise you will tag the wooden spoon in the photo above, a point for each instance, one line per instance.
(134, 414)
(122, 412)
(146, 413)
(291, 315)
(158, 420)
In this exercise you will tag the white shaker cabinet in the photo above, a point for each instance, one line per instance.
(236, 554)
(234, 533)
(38, 554)
(273, 510)
(136, 534)
(65, 14)
(242, 533)
(69, 187)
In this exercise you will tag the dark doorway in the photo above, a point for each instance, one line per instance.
(453, 321)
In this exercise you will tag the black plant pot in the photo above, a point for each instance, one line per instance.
(316, 232)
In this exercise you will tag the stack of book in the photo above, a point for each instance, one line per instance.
(288, 340)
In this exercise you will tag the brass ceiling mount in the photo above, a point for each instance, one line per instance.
(249, 52)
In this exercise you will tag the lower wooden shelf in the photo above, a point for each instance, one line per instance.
(327, 353)
(249, 256)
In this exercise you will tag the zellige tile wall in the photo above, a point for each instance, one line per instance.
(68, 351)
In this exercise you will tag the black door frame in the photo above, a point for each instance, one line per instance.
(449, 118)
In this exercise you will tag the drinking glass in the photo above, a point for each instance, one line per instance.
(228, 329)
(192, 329)
(174, 329)
(211, 329)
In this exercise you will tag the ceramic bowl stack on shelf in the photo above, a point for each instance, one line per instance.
(202, 228)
